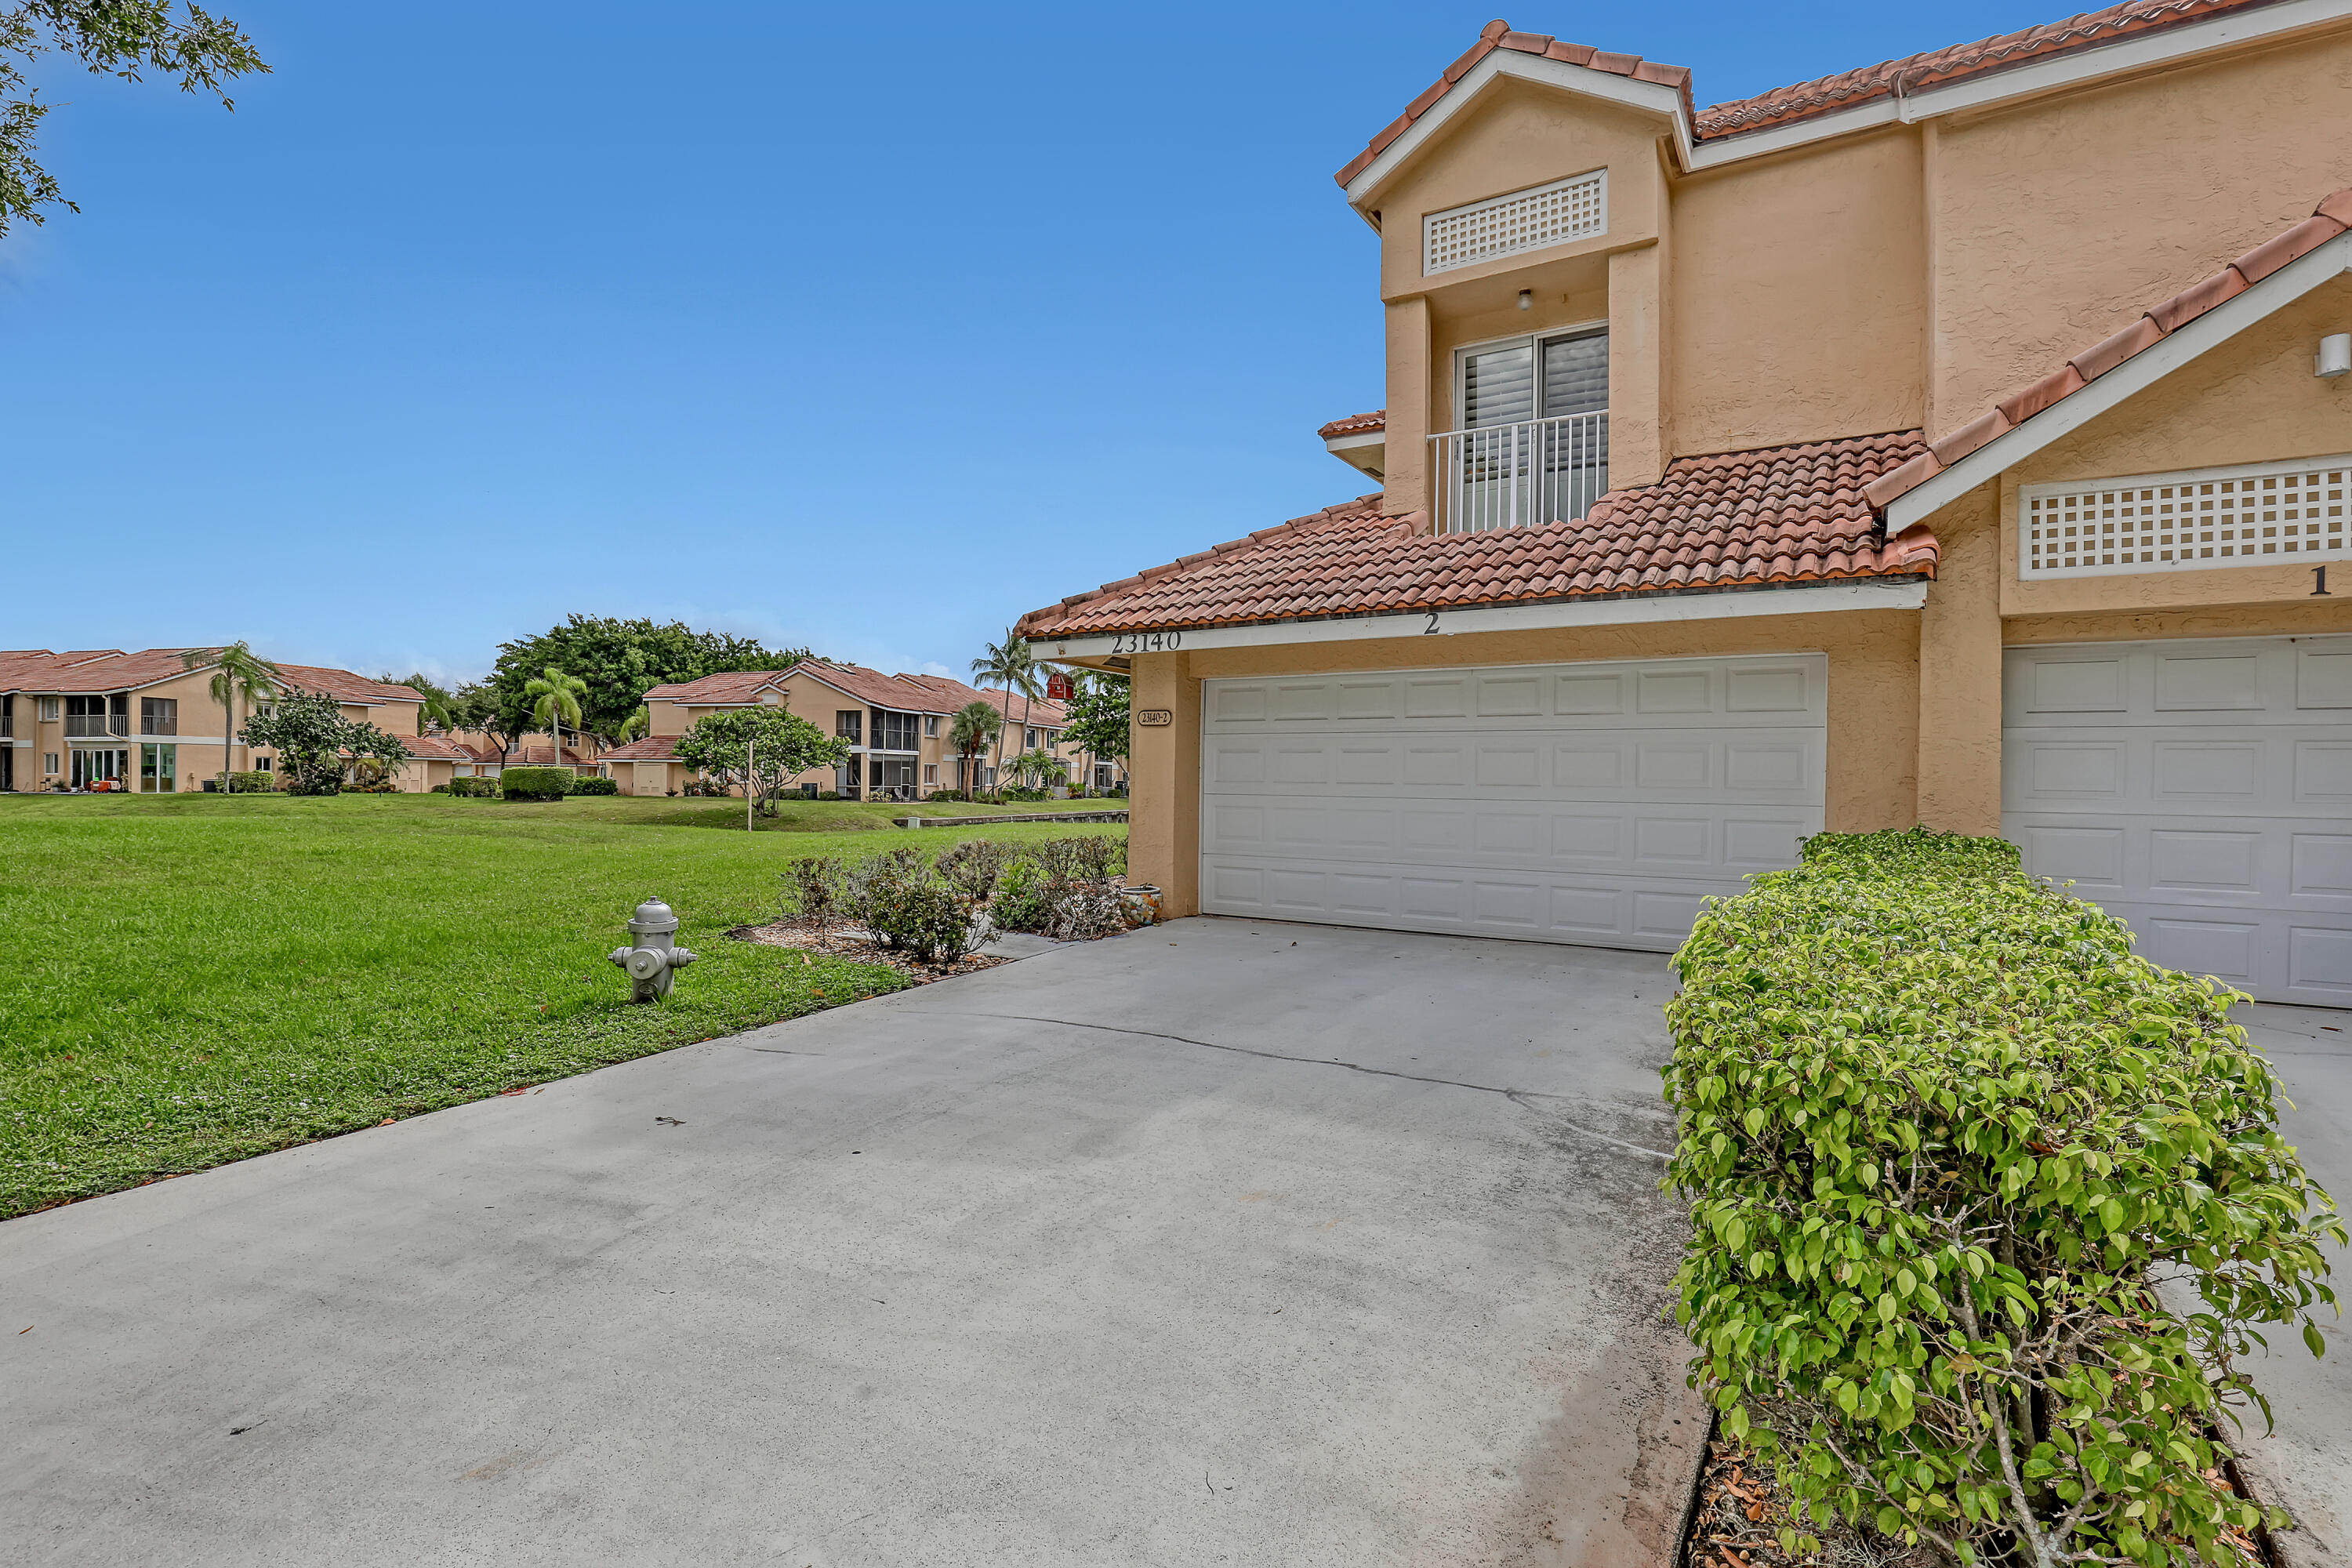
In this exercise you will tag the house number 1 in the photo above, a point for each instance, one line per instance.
(2319, 583)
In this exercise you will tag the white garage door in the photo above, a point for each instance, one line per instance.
(1583, 803)
(2200, 790)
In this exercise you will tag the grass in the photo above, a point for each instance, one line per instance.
(200, 978)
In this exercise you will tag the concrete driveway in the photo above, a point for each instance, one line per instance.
(1226, 1242)
(2306, 1463)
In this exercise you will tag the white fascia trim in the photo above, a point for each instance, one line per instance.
(2070, 413)
(1656, 97)
(1351, 443)
(2063, 69)
(1648, 609)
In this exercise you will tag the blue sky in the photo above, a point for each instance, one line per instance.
(860, 331)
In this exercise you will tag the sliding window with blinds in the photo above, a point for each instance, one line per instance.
(1534, 442)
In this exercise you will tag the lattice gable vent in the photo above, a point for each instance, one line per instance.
(2167, 523)
(1565, 210)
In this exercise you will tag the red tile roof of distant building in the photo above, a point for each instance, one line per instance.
(1356, 424)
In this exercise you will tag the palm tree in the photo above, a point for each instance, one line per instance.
(440, 706)
(243, 675)
(1008, 664)
(637, 725)
(555, 697)
(975, 724)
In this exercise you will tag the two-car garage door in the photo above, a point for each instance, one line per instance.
(1580, 803)
(2201, 790)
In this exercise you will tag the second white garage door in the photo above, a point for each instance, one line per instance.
(2200, 789)
(1577, 802)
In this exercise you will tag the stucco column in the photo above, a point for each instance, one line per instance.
(1405, 449)
(1959, 672)
(1639, 440)
(1163, 841)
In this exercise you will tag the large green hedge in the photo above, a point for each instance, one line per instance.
(1943, 1132)
(535, 784)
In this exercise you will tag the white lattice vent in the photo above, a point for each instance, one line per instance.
(2167, 523)
(1573, 208)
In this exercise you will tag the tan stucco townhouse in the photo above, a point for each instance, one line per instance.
(146, 722)
(1962, 440)
(897, 727)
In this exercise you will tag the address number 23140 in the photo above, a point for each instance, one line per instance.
(1146, 642)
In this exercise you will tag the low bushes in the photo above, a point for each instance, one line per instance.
(589, 783)
(1942, 1132)
(942, 910)
(471, 788)
(253, 782)
(535, 784)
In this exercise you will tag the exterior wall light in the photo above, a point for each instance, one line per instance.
(2334, 356)
(1526, 298)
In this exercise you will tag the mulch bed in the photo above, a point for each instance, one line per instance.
(1740, 1512)
(852, 942)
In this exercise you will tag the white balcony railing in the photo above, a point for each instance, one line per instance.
(1511, 476)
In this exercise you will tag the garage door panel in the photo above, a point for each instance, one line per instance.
(2200, 790)
(1596, 803)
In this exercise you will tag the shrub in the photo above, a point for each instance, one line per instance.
(588, 784)
(1023, 901)
(1016, 793)
(946, 794)
(973, 868)
(1943, 1132)
(1094, 858)
(535, 784)
(812, 891)
(1083, 912)
(254, 783)
(466, 788)
(829, 794)
(898, 896)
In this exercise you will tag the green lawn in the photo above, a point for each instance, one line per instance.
(198, 978)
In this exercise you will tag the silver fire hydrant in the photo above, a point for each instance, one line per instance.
(651, 960)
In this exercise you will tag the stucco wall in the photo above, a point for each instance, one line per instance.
(1874, 731)
(1959, 672)
(2059, 222)
(1815, 265)
(2251, 400)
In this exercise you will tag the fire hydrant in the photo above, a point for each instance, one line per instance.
(651, 960)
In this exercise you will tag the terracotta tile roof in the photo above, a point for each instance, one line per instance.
(1497, 35)
(2331, 217)
(1356, 424)
(346, 686)
(542, 757)
(1823, 95)
(652, 749)
(727, 685)
(1890, 78)
(1733, 519)
(436, 747)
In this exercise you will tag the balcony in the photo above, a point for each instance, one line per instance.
(1516, 476)
(95, 726)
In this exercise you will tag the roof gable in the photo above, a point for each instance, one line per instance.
(2166, 336)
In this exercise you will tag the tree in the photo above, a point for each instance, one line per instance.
(440, 705)
(1008, 664)
(111, 38)
(761, 748)
(476, 706)
(1098, 721)
(554, 697)
(974, 726)
(1039, 769)
(240, 674)
(309, 734)
(621, 660)
(637, 725)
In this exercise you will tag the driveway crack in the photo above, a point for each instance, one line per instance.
(1520, 1097)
